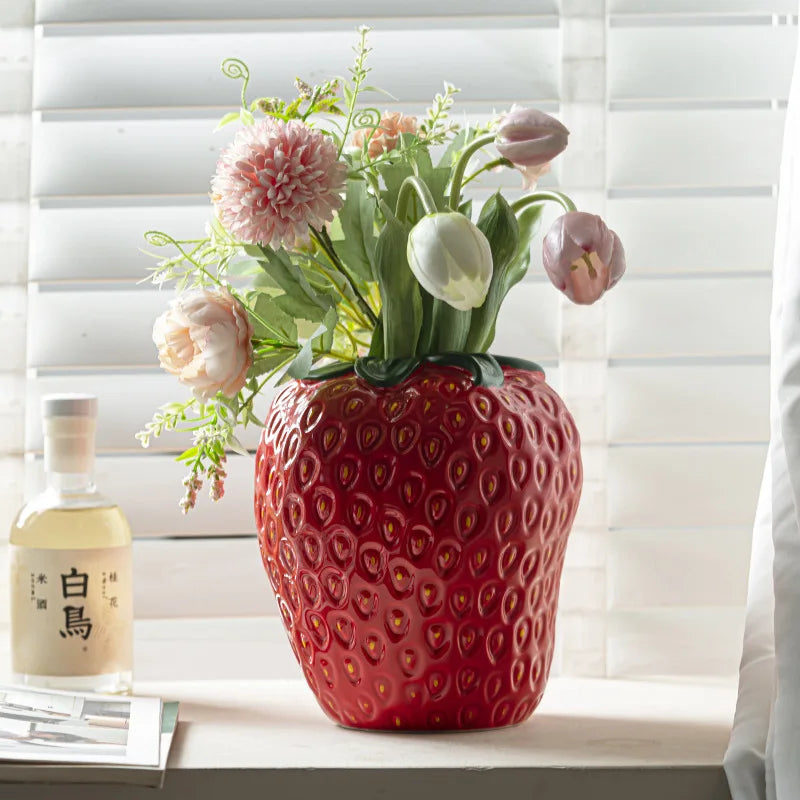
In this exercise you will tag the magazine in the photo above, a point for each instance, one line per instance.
(62, 731)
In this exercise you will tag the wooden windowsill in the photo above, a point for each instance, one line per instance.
(593, 739)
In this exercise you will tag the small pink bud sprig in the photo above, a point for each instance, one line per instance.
(213, 471)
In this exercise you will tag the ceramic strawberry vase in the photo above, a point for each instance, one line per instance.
(414, 536)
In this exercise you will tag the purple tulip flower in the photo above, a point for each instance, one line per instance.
(582, 257)
(530, 140)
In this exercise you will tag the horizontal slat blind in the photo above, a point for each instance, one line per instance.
(16, 51)
(676, 110)
(126, 96)
(322, 12)
(696, 93)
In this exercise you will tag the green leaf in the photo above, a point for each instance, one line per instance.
(245, 268)
(417, 162)
(277, 324)
(402, 304)
(529, 221)
(450, 328)
(232, 443)
(459, 141)
(376, 343)
(425, 343)
(435, 178)
(499, 224)
(379, 91)
(300, 308)
(347, 92)
(300, 367)
(357, 218)
(393, 176)
(265, 364)
(226, 120)
(246, 117)
(300, 299)
(188, 455)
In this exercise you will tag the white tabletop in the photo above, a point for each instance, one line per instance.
(589, 739)
(580, 724)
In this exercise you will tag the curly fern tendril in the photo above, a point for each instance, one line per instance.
(367, 118)
(236, 69)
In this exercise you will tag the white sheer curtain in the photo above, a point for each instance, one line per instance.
(762, 760)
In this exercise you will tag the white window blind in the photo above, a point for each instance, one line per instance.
(696, 94)
(16, 50)
(676, 115)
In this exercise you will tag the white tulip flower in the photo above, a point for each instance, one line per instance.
(451, 259)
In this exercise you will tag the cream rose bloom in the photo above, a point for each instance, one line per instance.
(204, 339)
(386, 137)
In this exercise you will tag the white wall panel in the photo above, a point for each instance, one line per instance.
(16, 14)
(689, 148)
(691, 571)
(662, 318)
(15, 154)
(689, 234)
(183, 69)
(688, 403)
(686, 63)
(679, 486)
(658, 642)
(15, 68)
(14, 228)
(12, 412)
(12, 324)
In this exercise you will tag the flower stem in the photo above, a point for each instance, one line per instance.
(498, 162)
(324, 241)
(543, 196)
(411, 188)
(461, 166)
(359, 73)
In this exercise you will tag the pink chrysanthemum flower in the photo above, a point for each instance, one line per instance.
(274, 180)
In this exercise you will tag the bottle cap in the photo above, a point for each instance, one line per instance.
(69, 405)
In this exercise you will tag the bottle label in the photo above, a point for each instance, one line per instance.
(71, 611)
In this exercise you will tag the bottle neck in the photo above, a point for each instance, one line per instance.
(71, 482)
(69, 454)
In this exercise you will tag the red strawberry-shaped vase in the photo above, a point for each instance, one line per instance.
(414, 536)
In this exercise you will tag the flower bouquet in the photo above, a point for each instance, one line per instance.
(414, 493)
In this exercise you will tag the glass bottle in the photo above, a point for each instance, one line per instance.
(70, 559)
